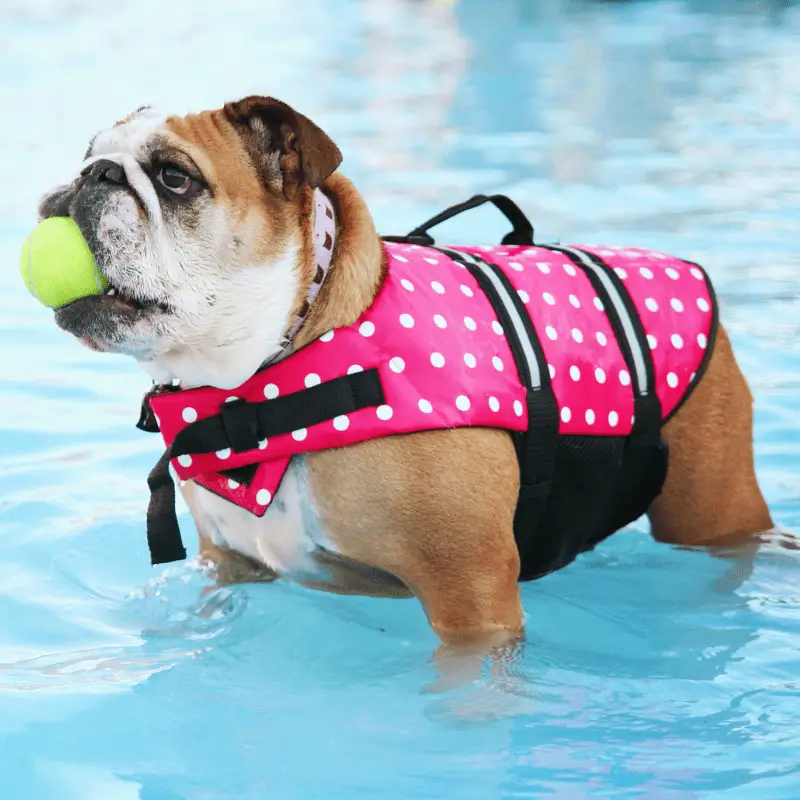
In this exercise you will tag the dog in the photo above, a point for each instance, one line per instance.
(206, 227)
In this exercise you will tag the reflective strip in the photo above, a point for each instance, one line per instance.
(511, 310)
(622, 313)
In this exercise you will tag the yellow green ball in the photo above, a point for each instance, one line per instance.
(57, 265)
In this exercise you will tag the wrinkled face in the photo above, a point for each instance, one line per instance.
(200, 224)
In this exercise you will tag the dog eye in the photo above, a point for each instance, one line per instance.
(174, 179)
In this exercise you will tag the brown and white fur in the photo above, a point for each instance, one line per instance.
(220, 264)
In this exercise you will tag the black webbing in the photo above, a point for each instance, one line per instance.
(521, 233)
(163, 531)
(241, 425)
(536, 447)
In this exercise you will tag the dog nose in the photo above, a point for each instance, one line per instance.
(105, 170)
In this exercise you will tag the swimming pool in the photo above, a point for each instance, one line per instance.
(649, 671)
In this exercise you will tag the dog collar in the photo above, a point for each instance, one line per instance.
(324, 237)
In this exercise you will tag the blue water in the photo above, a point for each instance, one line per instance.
(649, 671)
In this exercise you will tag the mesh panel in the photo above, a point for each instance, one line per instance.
(600, 484)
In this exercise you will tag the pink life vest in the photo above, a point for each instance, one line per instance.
(473, 336)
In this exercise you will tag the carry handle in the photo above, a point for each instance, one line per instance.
(521, 233)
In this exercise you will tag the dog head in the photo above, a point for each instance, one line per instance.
(203, 226)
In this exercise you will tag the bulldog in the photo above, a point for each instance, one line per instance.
(232, 246)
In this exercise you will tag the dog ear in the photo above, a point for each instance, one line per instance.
(288, 148)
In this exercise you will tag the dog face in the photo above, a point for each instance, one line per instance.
(202, 225)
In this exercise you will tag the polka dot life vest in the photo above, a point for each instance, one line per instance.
(580, 352)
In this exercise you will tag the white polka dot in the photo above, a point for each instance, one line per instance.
(672, 273)
(672, 380)
(384, 412)
(646, 273)
(651, 304)
(437, 359)
(352, 370)
(494, 404)
(406, 284)
(462, 403)
(677, 341)
(299, 434)
(312, 379)
(600, 375)
(469, 324)
(524, 296)
(613, 419)
(518, 408)
(515, 265)
(692, 377)
(697, 273)
(437, 287)
(263, 497)
(676, 305)
(577, 335)
(439, 321)
(702, 304)
(589, 416)
(467, 291)
(431, 260)
(552, 370)
(602, 339)
(425, 407)
(400, 258)
(570, 270)
(543, 267)
(551, 332)
(366, 328)
(624, 377)
(497, 327)
(621, 272)
(470, 360)
(652, 341)
(566, 414)
(262, 445)
(232, 484)
(341, 423)
(326, 337)
(271, 391)
(701, 340)
(548, 298)
(574, 301)
(232, 399)
(574, 373)
(598, 304)
(189, 414)
(406, 320)
(185, 460)
(497, 363)
(223, 454)
(397, 364)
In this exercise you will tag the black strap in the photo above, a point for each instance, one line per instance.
(537, 446)
(147, 419)
(646, 406)
(241, 425)
(521, 234)
(163, 531)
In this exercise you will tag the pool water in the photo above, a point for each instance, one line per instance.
(648, 671)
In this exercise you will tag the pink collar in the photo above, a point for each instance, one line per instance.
(324, 238)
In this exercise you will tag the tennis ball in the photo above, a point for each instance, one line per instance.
(57, 265)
